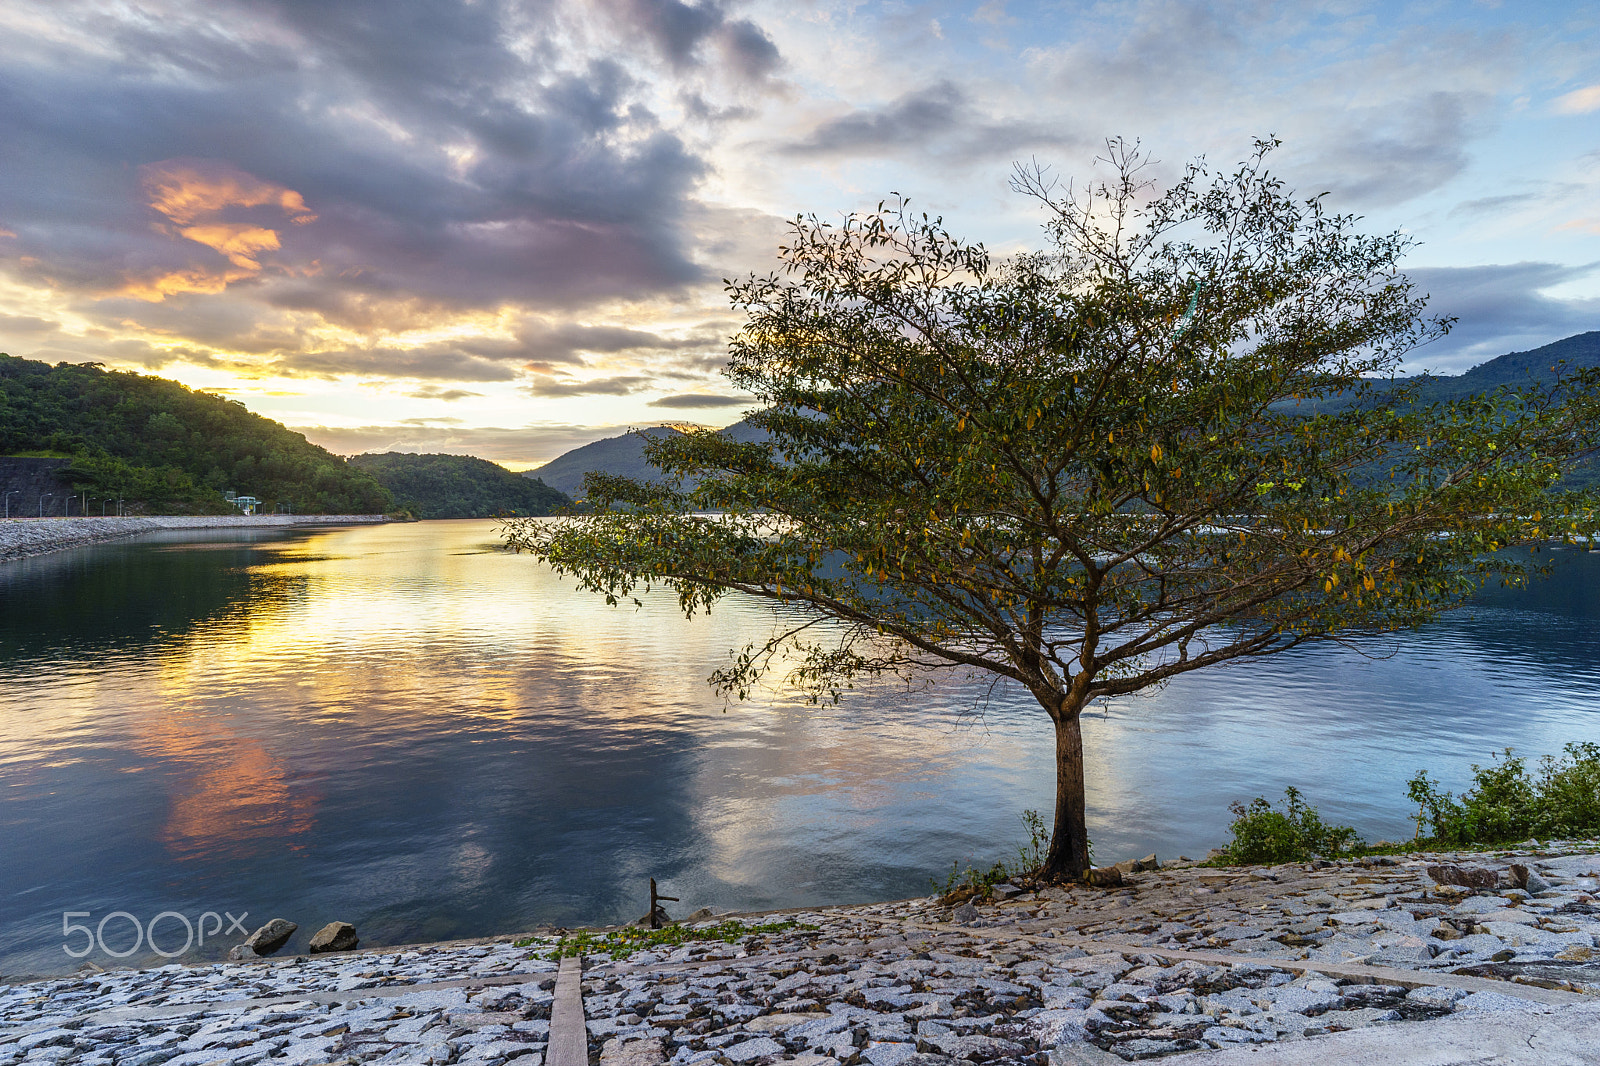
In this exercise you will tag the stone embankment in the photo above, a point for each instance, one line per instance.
(1196, 963)
(23, 537)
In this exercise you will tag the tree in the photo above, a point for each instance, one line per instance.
(1147, 451)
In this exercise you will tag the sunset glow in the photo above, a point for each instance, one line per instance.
(501, 228)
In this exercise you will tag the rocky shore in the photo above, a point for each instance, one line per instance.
(24, 537)
(1177, 961)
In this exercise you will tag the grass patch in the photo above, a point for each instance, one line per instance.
(620, 943)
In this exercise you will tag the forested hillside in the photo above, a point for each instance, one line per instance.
(623, 455)
(166, 449)
(459, 486)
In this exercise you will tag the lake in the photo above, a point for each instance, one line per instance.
(406, 728)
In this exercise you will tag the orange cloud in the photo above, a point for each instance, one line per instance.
(187, 190)
(238, 242)
(179, 281)
(190, 193)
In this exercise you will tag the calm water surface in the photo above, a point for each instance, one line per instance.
(405, 728)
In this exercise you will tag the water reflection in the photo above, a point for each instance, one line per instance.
(405, 728)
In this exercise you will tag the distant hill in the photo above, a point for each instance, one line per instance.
(458, 486)
(1538, 365)
(162, 448)
(623, 455)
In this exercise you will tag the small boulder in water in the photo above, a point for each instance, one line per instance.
(272, 936)
(335, 936)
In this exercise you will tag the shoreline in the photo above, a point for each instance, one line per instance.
(25, 538)
(1185, 962)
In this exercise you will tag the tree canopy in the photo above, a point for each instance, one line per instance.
(459, 486)
(167, 448)
(1090, 469)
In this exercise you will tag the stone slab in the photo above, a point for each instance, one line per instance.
(1553, 1036)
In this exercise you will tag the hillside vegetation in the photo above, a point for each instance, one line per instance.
(166, 449)
(458, 486)
(622, 455)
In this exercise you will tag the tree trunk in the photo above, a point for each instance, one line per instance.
(1068, 857)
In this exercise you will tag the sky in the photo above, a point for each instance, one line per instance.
(501, 227)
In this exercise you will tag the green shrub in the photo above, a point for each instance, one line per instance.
(1030, 856)
(1506, 804)
(1262, 834)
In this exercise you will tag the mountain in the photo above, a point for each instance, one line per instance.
(614, 455)
(1537, 365)
(459, 486)
(162, 448)
(622, 455)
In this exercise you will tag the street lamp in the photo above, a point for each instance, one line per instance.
(46, 496)
(13, 492)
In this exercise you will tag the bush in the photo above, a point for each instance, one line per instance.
(1262, 834)
(1506, 804)
(975, 882)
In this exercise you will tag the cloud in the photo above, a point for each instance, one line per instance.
(516, 447)
(1389, 154)
(355, 163)
(701, 399)
(617, 385)
(14, 324)
(188, 190)
(434, 392)
(686, 34)
(444, 362)
(941, 116)
(563, 343)
(1501, 308)
(1579, 101)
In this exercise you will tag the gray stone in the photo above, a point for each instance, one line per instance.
(1436, 996)
(335, 936)
(751, 1050)
(1052, 1028)
(1145, 1048)
(1304, 1001)
(1528, 879)
(1005, 891)
(1359, 1018)
(1495, 1002)
(1477, 877)
(965, 914)
(1401, 955)
(272, 936)
(888, 1053)
(1228, 1034)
